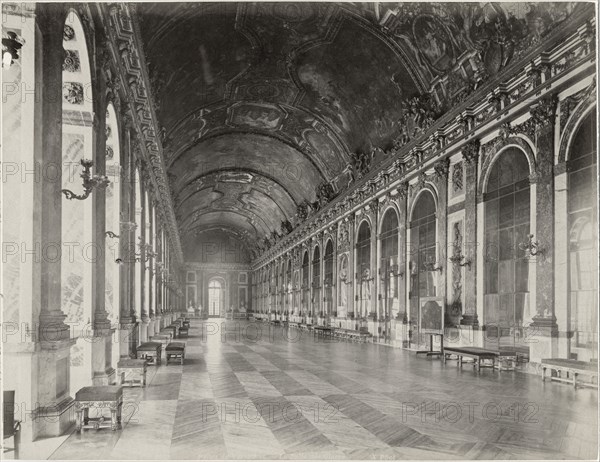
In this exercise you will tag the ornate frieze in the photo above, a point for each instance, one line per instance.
(470, 151)
(441, 169)
(125, 43)
(417, 142)
(541, 115)
(457, 177)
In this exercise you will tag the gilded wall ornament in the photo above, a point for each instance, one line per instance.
(73, 92)
(71, 61)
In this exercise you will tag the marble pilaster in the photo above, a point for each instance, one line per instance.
(470, 154)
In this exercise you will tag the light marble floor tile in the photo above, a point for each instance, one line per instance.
(285, 397)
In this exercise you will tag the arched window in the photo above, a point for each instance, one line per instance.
(507, 223)
(422, 264)
(288, 287)
(363, 268)
(583, 241)
(328, 261)
(316, 281)
(77, 215)
(305, 282)
(147, 240)
(112, 220)
(136, 244)
(215, 297)
(389, 257)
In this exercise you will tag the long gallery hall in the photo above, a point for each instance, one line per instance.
(299, 230)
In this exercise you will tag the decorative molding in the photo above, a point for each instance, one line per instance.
(470, 152)
(124, 41)
(513, 91)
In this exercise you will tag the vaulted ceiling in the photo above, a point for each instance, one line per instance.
(260, 103)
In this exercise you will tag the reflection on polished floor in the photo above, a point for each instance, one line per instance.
(254, 391)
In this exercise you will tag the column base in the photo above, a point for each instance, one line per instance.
(107, 377)
(543, 338)
(151, 323)
(103, 369)
(55, 420)
(469, 320)
(127, 339)
(464, 335)
(143, 326)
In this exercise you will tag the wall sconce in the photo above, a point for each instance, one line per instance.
(459, 259)
(364, 276)
(431, 266)
(128, 225)
(145, 249)
(111, 235)
(89, 182)
(11, 44)
(531, 247)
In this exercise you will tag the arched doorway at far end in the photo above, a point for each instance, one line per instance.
(216, 297)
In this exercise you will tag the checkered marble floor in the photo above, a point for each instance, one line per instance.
(254, 391)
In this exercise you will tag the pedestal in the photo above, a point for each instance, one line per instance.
(103, 369)
(53, 415)
(543, 339)
(143, 326)
(157, 324)
(151, 323)
(127, 338)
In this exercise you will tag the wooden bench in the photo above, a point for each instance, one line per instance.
(506, 360)
(573, 369)
(475, 353)
(131, 371)
(102, 397)
(323, 331)
(175, 351)
(350, 334)
(151, 351)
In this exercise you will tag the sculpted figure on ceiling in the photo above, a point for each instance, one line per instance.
(440, 33)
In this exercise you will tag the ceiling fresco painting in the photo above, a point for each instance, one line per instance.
(274, 109)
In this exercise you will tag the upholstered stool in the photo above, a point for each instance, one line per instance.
(131, 371)
(183, 332)
(168, 332)
(164, 339)
(103, 397)
(176, 326)
(150, 351)
(171, 329)
(176, 350)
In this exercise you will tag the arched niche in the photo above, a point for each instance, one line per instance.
(507, 224)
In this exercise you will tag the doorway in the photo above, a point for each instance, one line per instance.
(215, 298)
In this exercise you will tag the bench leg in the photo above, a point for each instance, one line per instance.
(575, 379)
(460, 358)
(543, 374)
(78, 420)
(113, 419)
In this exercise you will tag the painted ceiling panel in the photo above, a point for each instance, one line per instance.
(262, 104)
(245, 152)
(357, 85)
